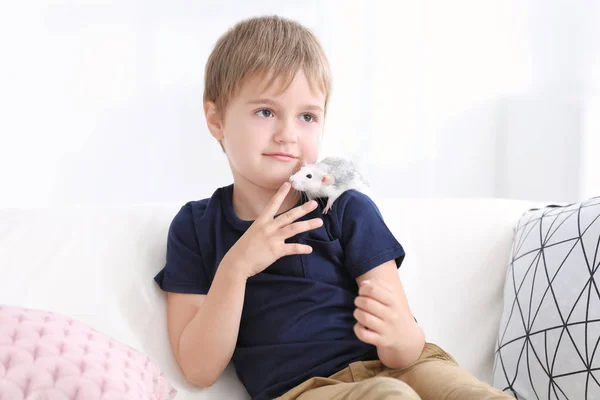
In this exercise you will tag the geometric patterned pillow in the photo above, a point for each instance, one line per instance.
(549, 338)
(48, 356)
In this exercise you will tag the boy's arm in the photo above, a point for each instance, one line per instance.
(203, 329)
(382, 306)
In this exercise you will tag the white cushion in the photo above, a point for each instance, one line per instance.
(550, 327)
(96, 264)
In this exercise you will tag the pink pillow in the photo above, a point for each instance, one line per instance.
(45, 355)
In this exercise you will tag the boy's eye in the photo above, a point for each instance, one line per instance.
(265, 112)
(308, 117)
(309, 176)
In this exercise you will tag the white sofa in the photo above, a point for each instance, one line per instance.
(97, 264)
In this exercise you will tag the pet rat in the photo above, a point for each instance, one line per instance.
(328, 178)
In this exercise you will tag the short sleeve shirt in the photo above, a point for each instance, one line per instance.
(297, 318)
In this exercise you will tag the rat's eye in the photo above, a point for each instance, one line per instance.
(309, 176)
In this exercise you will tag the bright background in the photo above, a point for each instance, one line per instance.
(100, 101)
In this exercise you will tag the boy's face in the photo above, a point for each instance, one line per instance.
(268, 133)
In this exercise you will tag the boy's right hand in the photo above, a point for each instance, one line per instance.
(264, 241)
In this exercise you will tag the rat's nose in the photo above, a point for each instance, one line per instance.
(291, 179)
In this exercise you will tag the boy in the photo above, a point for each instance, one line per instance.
(308, 306)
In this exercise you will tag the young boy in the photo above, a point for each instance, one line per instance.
(308, 306)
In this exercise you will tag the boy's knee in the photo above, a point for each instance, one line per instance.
(386, 388)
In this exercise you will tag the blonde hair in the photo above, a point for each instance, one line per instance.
(269, 46)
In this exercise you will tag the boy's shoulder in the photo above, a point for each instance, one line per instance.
(354, 202)
(351, 212)
(194, 211)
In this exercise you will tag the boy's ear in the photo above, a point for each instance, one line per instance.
(213, 120)
(327, 180)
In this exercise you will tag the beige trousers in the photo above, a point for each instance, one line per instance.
(434, 376)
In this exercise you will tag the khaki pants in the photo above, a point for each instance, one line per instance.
(434, 376)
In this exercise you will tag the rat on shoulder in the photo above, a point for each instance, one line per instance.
(328, 178)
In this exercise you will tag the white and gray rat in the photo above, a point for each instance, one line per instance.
(328, 178)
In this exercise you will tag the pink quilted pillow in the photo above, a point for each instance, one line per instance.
(47, 356)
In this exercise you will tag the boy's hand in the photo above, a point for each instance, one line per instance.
(264, 242)
(380, 319)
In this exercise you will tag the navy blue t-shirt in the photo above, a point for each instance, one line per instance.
(297, 319)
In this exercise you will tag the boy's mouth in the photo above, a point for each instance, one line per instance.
(281, 156)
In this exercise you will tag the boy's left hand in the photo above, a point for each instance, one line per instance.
(379, 315)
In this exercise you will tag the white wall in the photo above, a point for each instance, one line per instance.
(100, 101)
(590, 145)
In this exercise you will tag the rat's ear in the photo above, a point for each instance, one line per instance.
(327, 180)
(213, 120)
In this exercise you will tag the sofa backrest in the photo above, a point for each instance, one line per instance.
(457, 256)
(97, 264)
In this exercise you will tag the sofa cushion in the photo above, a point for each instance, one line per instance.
(550, 328)
(48, 355)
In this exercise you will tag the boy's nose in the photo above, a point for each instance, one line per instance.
(286, 132)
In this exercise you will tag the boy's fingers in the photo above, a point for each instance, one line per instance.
(277, 200)
(378, 283)
(369, 320)
(298, 227)
(290, 216)
(377, 292)
(366, 335)
(296, 248)
(372, 306)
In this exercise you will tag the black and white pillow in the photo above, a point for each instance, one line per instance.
(549, 338)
